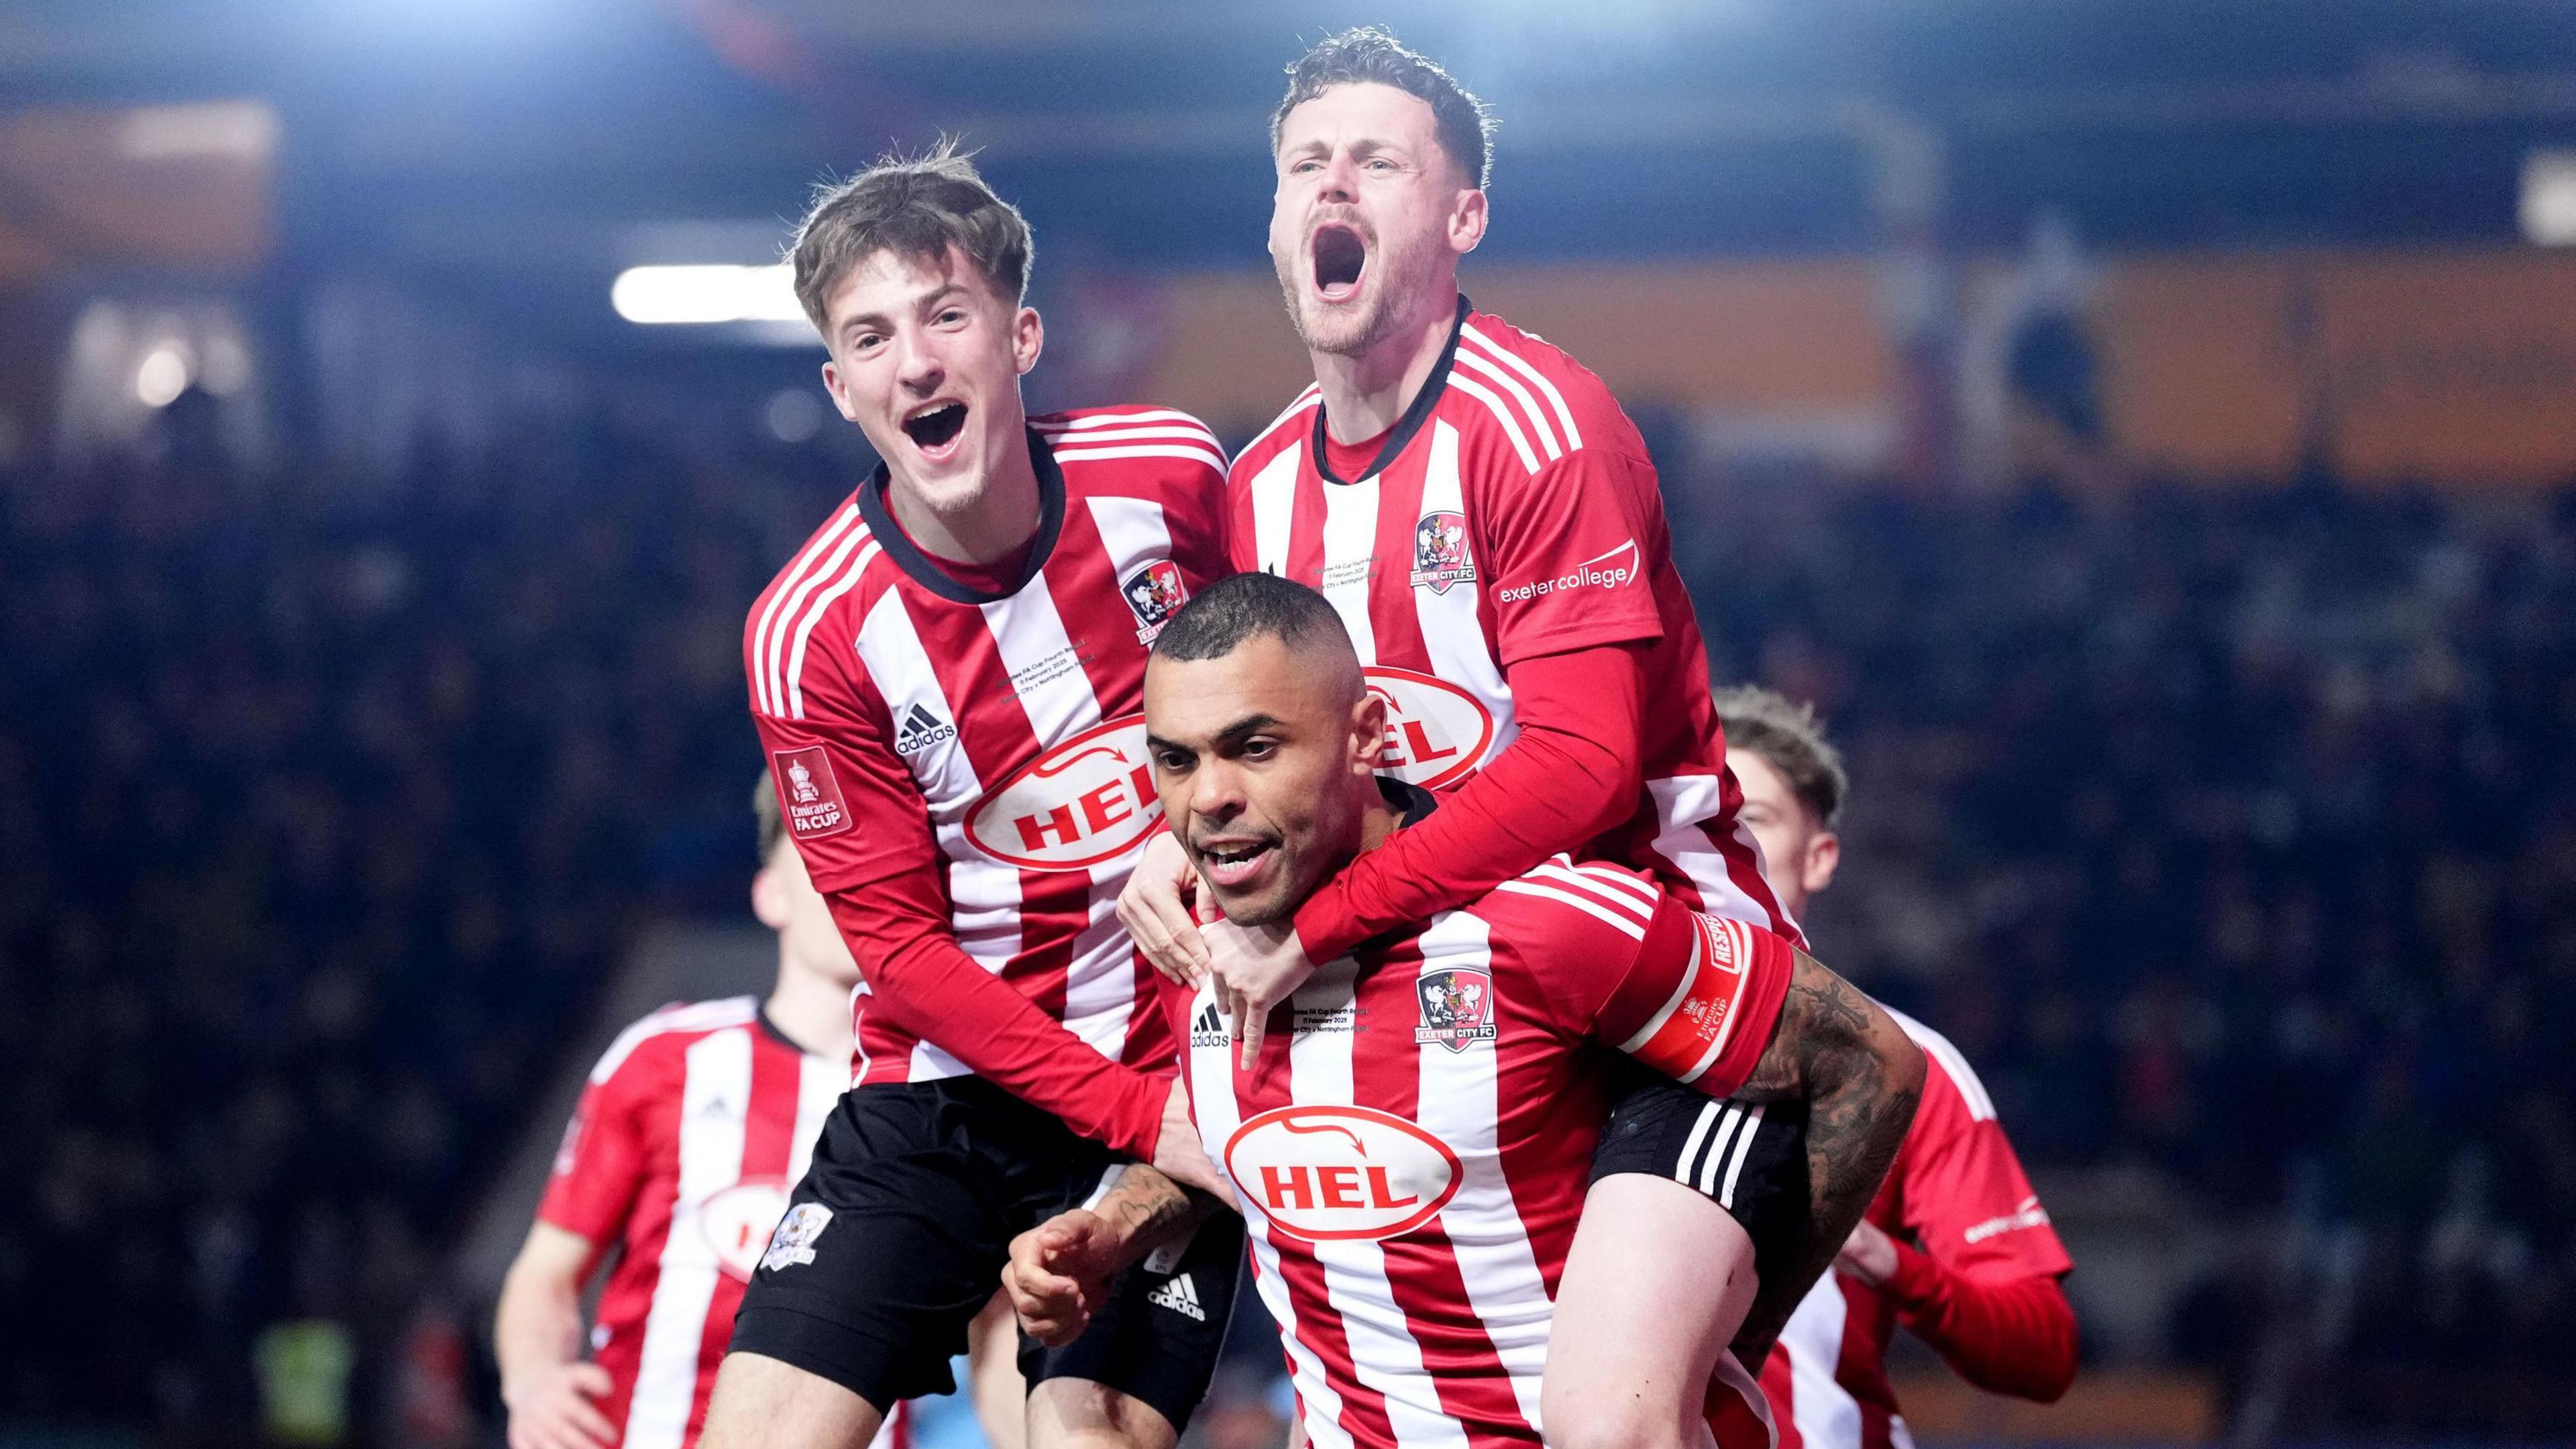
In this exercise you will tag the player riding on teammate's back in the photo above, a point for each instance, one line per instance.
(1486, 523)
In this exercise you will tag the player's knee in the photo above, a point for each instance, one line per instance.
(1080, 1414)
(763, 1403)
(1611, 1420)
(1600, 1406)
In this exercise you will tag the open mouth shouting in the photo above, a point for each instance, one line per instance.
(934, 428)
(1340, 256)
(1234, 864)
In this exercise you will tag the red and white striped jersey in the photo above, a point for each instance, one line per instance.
(1412, 1145)
(983, 729)
(1511, 513)
(690, 1133)
(1957, 1192)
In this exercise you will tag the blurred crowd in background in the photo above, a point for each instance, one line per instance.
(2225, 830)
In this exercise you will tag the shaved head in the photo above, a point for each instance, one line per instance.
(1265, 742)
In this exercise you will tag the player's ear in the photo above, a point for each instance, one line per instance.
(1368, 732)
(1028, 338)
(840, 394)
(1824, 852)
(1467, 221)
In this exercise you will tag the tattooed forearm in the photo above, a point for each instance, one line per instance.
(1861, 1076)
(1146, 1209)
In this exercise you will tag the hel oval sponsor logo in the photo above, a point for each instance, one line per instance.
(1436, 733)
(1088, 800)
(737, 1223)
(1326, 1174)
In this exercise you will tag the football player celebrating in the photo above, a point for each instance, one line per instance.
(1410, 1147)
(688, 1197)
(691, 1130)
(1956, 1245)
(1486, 522)
(947, 678)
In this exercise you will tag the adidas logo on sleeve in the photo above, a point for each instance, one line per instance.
(1207, 1030)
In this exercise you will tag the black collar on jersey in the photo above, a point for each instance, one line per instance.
(777, 1033)
(1407, 799)
(908, 556)
(1414, 416)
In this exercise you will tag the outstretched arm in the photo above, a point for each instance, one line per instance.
(1861, 1076)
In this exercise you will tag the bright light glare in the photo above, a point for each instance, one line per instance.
(2549, 198)
(241, 130)
(162, 376)
(704, 294)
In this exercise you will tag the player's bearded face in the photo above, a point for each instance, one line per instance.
(1265, 771)
(1360, 225)
(926, 359)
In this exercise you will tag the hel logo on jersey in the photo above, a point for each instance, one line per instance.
(1088, 800)
(1440, 552)
(1436, 733)
(1330, 1173)
(1156, 593)
(740, 1220)
(811, 795)
(1457, 1007)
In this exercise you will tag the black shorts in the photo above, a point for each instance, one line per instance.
(896, 1238)
(1749, 1158)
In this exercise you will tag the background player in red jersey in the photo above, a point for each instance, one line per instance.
(1488, 526)
(1956, 1245)
(685, 1203)
(947, 679)
(1412, 1153)
(631, 1175)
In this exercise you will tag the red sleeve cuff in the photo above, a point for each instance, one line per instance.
(1327, 926)
(1917, 1279)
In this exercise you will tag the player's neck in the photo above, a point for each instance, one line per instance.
(812, 1010)
(1367, 393)
(981, 525)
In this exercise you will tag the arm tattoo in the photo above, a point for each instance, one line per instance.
(1861, 1077)
(1146, 1209)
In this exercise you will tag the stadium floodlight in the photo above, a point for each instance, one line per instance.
(706, 294)
(2549, 198)
(163, 375)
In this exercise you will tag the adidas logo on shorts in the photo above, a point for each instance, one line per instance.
(1181, 1296)
(1208, 1030)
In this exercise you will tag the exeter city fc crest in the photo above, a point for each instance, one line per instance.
(1440, 552)
(1156, 593)
(1457, 1007)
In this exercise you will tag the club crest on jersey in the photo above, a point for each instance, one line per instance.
(809, 793)
(1457, 1007)
(1156, 593)
(1440, 552)
(793, 1243)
